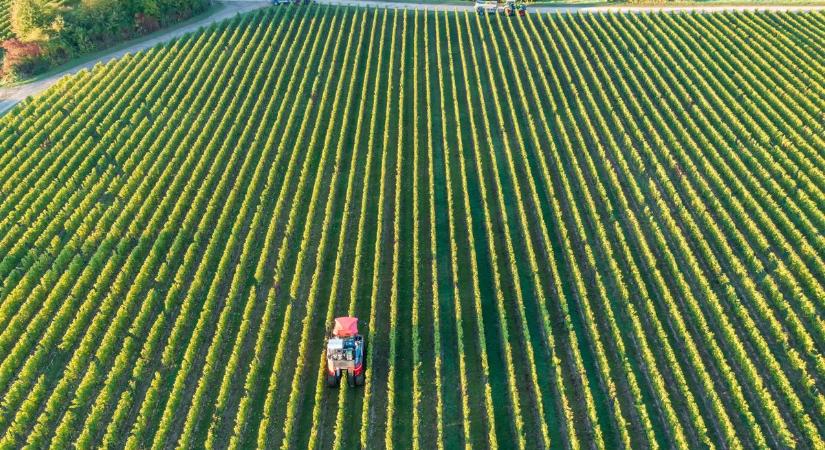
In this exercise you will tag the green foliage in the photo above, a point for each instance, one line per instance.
(66, 29)
(29, 18)
(573, 231)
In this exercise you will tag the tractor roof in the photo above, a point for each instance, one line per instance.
(345, 326)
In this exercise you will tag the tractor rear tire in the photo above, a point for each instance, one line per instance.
(350, 380)
(333, 381)
(360, 379)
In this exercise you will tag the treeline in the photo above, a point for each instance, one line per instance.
(49, 32)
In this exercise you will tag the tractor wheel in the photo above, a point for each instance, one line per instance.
(333, 381)
(350, 379)
(360, 379)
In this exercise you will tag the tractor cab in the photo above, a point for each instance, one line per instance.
(345, 353)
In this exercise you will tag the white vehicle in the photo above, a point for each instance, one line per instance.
(486, 6)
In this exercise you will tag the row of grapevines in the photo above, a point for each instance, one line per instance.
(469, 249)
(268, 321)
(362, 237)
(303, 355)
(368, 426)
(314, 437)
(602, 291)
(743, 360)
(311, 203)
(435, 298)
(120, 224)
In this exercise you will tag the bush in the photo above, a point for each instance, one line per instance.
(146, 23)
(22, 58)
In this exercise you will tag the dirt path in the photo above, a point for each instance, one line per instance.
(10, 96)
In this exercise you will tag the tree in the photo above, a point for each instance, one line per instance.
(29, 19)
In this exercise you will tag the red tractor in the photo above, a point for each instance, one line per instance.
(345, 353)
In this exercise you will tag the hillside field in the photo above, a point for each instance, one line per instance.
(568, 231)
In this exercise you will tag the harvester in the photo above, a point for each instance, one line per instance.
(509, 8)
(515, 8)
(345, 353)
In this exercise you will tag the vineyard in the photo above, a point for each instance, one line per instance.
(567, 231)
(5, 19)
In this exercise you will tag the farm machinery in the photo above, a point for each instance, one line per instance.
(288, 2)
(509, 8)
(345, 353)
